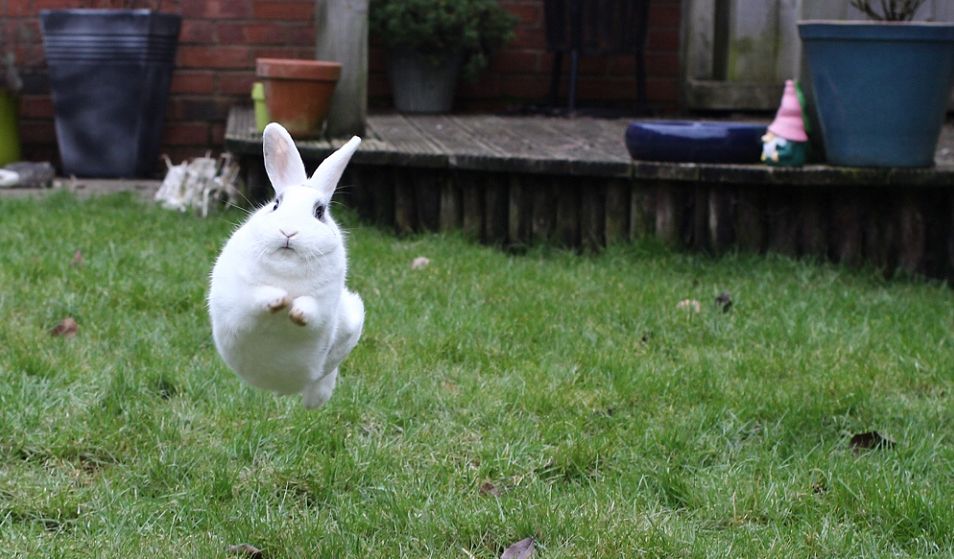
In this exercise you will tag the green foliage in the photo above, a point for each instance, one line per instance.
(609, 422)
(891, 10)
(474, 28)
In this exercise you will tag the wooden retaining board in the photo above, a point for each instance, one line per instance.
(495, 179)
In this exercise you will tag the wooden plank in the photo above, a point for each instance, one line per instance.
(699, 38)
(781, 221)
(450, 212)
(341, 31)
(720, 218)
(568, 214)
(912, 233)
(749, 218)
(405, 203)
(544, 210)
(362, 197)
(670, 212)
(950, 235)
(464, 149)
(880, 230)
(617, 211)
(699, 227)
(381, 187)
(403, 144)
(472, 199)
(642, 210)
(592, 216)
(813, 223)
(496, 207)
(520, 212)
(257, 187)
(846, 228)
(427, 195)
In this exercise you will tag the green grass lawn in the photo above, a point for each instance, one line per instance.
(492, 398)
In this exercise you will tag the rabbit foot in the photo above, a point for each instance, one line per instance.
(303, 311)
(271, 299)
(277, 304)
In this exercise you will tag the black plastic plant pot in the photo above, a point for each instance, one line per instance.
(109, 73)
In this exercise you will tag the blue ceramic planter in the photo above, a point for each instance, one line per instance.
(880, 89)
(695, 141)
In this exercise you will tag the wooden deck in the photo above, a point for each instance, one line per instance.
(517, 181)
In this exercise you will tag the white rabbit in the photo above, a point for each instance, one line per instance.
(282, 318)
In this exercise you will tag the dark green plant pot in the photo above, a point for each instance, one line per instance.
(421, 84)
(880, 89)
(9, 132)
(110, 72)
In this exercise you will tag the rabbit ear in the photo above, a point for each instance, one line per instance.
(282, 161)
(328, 174)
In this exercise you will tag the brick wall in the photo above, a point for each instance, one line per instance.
(220, 40)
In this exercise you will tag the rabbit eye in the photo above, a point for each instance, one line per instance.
(319, 211)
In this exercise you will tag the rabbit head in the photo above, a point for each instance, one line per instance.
(295, 231)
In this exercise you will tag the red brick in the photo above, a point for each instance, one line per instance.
(529, 39)
(217, 9)
(25, 30)
(515, 62)
(530, 16)
(217, 134)
(377, 60)
(196, 31)
(239, 83)
(592, 65)
(523, 87)
(378, 86)
(273, 34)
(171, 6)
(36, 106)
(53, 4)
(37, 132)
(663, 39)
(214, 57)
(17, 8)
(186, 134)
(230, 33)
(606, 88)
(198, 108)
(306, 53)
(185, 81)
(662, 90)
(302, 10)
(664, 15)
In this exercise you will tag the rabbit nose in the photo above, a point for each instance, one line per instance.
(289, 235)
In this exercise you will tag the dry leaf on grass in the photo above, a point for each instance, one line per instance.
(67, 328)
(420, 262)
(488, 488)
(869, 440)
(246, 550)
(520, 550)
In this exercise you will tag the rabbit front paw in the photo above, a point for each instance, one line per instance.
(272, 299)
(304, 311)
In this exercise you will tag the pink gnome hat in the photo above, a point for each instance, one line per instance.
(788, 121)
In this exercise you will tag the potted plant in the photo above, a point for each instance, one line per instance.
(881, 87)
(110, 71)
(430, 44)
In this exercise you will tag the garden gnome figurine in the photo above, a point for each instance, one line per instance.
(786, 143)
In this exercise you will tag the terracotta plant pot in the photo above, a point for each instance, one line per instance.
(298, 92)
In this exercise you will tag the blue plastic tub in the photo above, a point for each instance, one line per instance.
(880, 89)
(695, 141)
